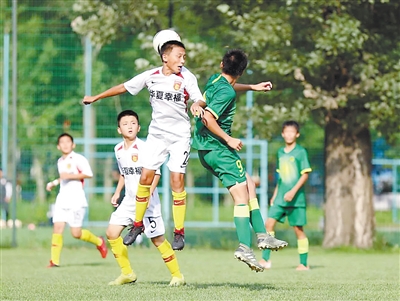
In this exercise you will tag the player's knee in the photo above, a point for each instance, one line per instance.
(111, 235)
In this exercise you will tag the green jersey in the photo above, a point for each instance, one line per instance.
(220, 98)
(291, 166)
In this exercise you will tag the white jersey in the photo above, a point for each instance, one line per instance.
(130, 166)
(71, 193)
(168, 97)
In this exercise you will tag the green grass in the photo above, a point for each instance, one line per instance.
(343, 274)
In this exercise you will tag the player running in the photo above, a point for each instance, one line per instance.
(71, 203)
(129, 154)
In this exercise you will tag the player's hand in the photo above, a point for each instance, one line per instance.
(87, 100)
(114, 199)
(264, 86)
(197, 110)
(235, 143)
(49, 186)
(288, 197)
(272, 202)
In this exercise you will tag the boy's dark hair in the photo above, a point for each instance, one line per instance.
(234, 62)
(65, 135)
(167, 47)
(127, 113)
(293, 123)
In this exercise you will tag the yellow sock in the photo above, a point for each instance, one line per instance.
(120, 252)
(142, 199)
(169, 258)
(90, 237)
(179, 209)
(56, 246)
(302, 248)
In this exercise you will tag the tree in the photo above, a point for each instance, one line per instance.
(334, 61)
(345, 55)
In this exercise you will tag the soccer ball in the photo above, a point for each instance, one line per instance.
(163, 37)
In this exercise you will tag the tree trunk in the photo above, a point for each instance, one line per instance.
(349, 213)
(37, 173)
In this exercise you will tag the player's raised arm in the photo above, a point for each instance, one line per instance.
(116, 90)
(263, 86)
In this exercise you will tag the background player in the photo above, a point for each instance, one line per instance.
(289, 197)
(218, 153)
(129, 157)
(70, 206)
(170, 88)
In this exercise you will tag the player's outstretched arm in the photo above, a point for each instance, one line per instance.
(116, 90)
(263, 87)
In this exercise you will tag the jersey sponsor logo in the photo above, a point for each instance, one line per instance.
(131, 171)
(177, 85)
(168, 96)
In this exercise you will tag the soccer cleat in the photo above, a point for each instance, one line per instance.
(266, 264)
(133, 233)
(179, 241)
(302, 267)
(267, 241)
(124, 279)
(245, 254)
(102, 248)
(176, 281)
(52, 265)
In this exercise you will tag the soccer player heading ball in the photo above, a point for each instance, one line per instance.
(170, 87)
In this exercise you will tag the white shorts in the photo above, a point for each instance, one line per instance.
(125, 215)
(73, 217)
(157, 148)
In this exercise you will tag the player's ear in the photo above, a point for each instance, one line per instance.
(297, 135)
(221, 65)
(138, 128)
(119, 131)
(58, 147)
(164, 57)
(73, 145)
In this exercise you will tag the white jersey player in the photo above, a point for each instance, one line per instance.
(71, 203)
(129, 155)
(171, 87)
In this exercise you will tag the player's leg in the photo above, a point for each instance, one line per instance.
(142, 202)
(119, 219)
(75, 223)
(153, 155)
(179, 151)
(155, 230)
(178, 209)
(264, 239)
(56, 240)
(297, 219)
(266, 254)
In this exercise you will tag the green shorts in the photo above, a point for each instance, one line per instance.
(225, 164)
(296, 215)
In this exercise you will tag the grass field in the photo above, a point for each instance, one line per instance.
(210, 274)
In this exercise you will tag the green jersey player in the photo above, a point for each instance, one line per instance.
(289, 199)
(217, 151)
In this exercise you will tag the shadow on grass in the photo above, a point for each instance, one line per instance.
(247, 286)
(91, 264)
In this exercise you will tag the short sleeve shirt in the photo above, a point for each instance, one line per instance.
(71, 191)
(291, 166)
(220, 98)
(130, 166)
(169, 96)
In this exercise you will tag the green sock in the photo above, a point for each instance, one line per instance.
(266, 254)
(241, 217)
(256, 219)
(303, 259)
